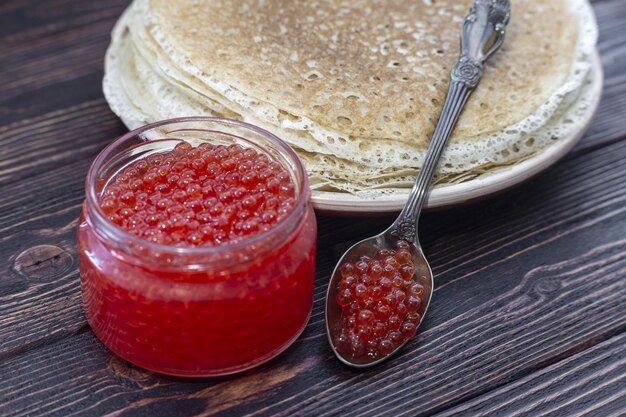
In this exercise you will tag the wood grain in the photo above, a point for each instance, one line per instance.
(588, 383)
(530, 285)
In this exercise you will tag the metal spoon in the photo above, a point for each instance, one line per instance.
(481, 35)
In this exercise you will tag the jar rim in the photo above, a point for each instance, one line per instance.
(119, 233)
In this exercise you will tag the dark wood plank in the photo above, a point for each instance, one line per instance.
(63, 41)
(590, 383)
(51, 107)
(37, 145)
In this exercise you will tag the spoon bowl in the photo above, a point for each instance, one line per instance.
(368, 247)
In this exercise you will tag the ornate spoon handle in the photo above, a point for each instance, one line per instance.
(482, 34)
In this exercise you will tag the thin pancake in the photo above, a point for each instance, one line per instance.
(368, 68)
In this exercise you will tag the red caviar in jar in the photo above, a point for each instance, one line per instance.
(379, 301)
(199, 196)
(197, 260)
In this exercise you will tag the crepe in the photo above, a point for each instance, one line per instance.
(354, 87)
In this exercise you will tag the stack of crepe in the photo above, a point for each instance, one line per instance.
(354, 87)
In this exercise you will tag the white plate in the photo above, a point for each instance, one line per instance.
(484, 185)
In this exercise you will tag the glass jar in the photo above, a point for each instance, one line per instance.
(196, 311)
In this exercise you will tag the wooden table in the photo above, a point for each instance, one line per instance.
(529, 309)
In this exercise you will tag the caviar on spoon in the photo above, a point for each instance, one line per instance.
(382, 286)
(380, 302)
